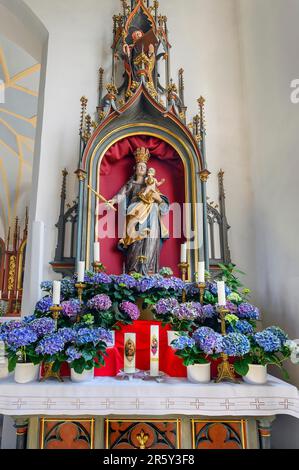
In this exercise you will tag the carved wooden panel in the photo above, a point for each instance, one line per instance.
(142, 433)
(219, 434)
(66, 433)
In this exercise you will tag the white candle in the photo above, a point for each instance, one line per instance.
(154, 351)
(201, 272)
(96, 252)
(221, 293)
(81, 271)
(184, 253)
(56, 292)
(130, 353)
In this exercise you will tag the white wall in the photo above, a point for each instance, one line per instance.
(269, 38)
(205, 44)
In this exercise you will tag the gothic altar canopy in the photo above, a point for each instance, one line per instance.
(142, 170)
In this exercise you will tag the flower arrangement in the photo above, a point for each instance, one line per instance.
(201, 347)
(270, 346)
(22, 337)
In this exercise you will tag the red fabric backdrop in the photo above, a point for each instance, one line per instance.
(117, 168)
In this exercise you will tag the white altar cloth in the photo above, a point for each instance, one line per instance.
(109, 396)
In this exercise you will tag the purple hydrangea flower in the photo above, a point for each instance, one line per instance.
(208, 311)
(208, 340)
(72, 354)
(71, 308)
(235, 344)
(20, 337)
(130, 309)
(267, 340)
(104, 335)
(233, 309)
(50, 345)
(44, 304)
(279, 333)
(246, 310)
(43, 326)
(165, 306)
(100, 302)
(145, 284)
(189, 311)
(183, 342)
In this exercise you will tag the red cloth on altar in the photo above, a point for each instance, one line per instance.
(116, 168)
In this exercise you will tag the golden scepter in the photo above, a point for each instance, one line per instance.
(101, 197)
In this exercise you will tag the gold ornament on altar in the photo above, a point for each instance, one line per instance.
(142, 155)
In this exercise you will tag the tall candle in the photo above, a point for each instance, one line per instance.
(221, 293)
(154, 351)
(130, 353)
(96, 252)
(184, 253)
(81, 271)
(56, 292)
(201, 272)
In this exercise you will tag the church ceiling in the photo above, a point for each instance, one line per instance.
(19, 85)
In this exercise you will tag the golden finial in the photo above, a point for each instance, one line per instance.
(84, 102)
(201, 103)
(142, 155)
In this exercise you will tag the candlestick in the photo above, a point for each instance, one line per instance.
(226, 370)
(184, 269)
(221, 293)
(96, 252)
(98, 267)
(50, 374)
(81, 271)
(184, 253)
(56, 292)
(130, 353)
(55, 309)
(154, 351)
(80, 288)
(202, 288)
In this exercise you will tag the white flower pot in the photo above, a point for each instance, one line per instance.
(112, 344)
(199, 373)
(3, 368)
(171, 336)
(86, 376)
(256, 375)
(25, 373)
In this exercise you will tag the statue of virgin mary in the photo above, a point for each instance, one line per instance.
(144, 232)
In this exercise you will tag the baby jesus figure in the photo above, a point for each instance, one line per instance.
(152, 185)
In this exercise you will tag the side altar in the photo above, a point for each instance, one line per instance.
(146, 342)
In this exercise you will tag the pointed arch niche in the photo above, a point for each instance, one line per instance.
(108, 162)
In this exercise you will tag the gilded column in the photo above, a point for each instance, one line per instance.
(81, 174)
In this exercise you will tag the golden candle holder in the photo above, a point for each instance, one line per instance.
(202, 288)
(226, 371)
(98, 267)
(184, 269)
(80, 286)
(56, 309)
(50, 374)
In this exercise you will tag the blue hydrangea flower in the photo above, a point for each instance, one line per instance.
(125, 280)
(279, 333)
(183, 342)
(166, 306)
(189, 311)
(72, 354)
(235, 344)
(242, 326)
(67, 334)
(87, 335)
(145, 284)
(101, 278)
(246, 310)
(44, 304)
(43, 326)
(104, 335)
(208, 311)
(46, 286)
(208, 340)
(20, 337)
(267, 340)
(212, 287)
(50, 345)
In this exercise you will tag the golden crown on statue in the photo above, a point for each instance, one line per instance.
(142, 155)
